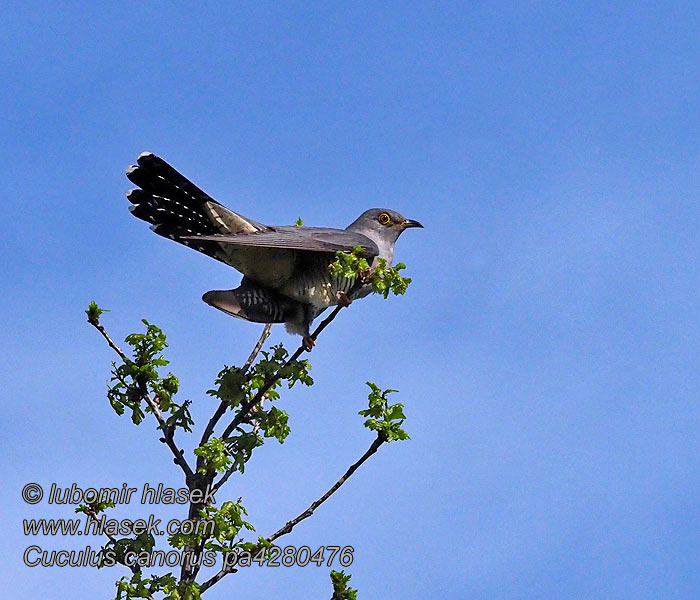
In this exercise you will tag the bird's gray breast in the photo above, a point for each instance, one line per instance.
(313, 283)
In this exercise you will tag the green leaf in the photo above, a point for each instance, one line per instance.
(135, 379)
(274, 424)
(93, 313)
(227, 522)
(386, 419)
(384, 279)
(341, 591)
(216, 456)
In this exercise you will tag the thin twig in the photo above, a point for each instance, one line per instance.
(169, 441)
(309, 511)
(97, 325)
(232, 469)
(167, 438)
(223, 405)
(135, 568)
(245, 408)
(207, 433)
(93, 515)
(215, 579)
(259, 396)
(224, 478)
(258, 347)
(314, 505)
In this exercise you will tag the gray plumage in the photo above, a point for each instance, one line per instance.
(286, 276)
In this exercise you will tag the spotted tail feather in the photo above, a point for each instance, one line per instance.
(177, 208)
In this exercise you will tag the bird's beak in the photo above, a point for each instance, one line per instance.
(410, 223)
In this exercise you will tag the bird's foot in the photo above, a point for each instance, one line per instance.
(343, 299)
(308, 343)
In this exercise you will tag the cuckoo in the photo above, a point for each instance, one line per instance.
(286, 278)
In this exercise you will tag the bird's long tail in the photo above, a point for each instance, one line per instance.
(177, 208)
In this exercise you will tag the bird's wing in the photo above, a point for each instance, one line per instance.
(313, 239)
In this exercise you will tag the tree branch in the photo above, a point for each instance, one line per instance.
(308, 512)
(209, 429)
(135, 568)
(92, 514)
(167, 438)
(97, 325)
(314, 505)
(215, 579)
(187, 572)
(245, 408)
(258, 347)
(260, 395)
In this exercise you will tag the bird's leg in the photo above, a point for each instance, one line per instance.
(343, 299)
(308, 342)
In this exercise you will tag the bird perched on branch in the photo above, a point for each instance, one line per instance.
(286, 275)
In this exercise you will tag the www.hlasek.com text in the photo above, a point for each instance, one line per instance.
(114, 527)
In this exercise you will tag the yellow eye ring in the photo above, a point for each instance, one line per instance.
(384, 219)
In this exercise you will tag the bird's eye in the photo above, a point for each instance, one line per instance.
(384, 219)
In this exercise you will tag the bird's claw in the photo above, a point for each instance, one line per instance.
(343, 299)
(308, 343)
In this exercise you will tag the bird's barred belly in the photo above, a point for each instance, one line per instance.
(317, 287)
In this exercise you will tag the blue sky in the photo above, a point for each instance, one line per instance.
(546, 352)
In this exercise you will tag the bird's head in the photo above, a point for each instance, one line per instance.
(382, 223)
